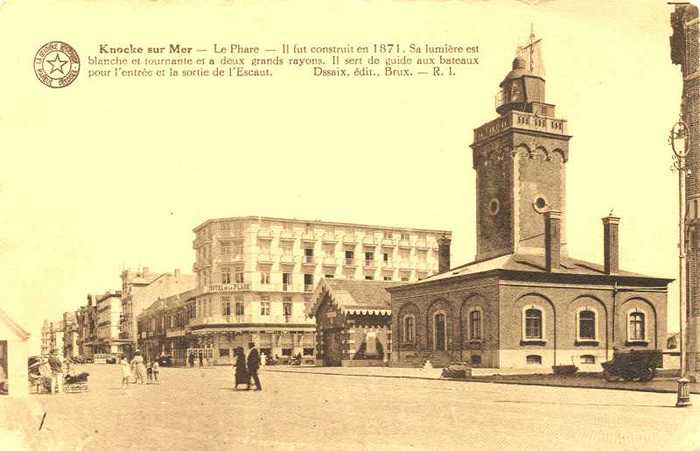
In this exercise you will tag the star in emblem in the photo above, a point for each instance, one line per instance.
(57, 64)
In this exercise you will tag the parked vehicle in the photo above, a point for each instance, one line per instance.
(165, 360)
(629, 365)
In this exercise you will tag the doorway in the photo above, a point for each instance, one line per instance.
(332, 347)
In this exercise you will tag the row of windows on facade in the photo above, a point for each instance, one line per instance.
(238, 277)
(532, 326)
(206, 307)
(204, 253)
(237, 228)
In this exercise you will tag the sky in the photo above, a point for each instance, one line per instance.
(104, 174)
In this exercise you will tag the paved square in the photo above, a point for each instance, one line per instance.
(198, 409)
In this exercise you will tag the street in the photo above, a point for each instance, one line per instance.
(198, 409)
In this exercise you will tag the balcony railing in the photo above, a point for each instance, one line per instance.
(349, 239)
(308, 236)
(404, 265)
(240, 319)
(369, 241)
(232, 258)
(329, 261)
(330, 238)
(308, 287)
(389, 242)
(308, 259)
(369, 263)
(265, 258)
(287, 235)
(422, 244)
(287, 287)
(349, 262)
(287, 258)
(519, 119)
(264, 234)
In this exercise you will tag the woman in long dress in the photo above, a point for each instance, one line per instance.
(241, 370)
(139, 368)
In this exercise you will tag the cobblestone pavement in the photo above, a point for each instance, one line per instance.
(197, 409)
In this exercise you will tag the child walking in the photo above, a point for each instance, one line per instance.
(155, 369)
(126, 372)
(149, 371)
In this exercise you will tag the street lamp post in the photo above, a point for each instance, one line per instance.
(679, 144)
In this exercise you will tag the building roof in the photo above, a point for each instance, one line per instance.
(447, 233)
(170, 302)
(529, 263)
(355, 296)
(16, 328)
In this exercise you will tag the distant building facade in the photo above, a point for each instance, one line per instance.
(70, 335)
(140, 289)
(685, 51)
(256, 276)
(524, 302)
(108, 307)
(162, 328)
(45, 338)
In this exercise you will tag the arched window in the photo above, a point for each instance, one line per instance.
(586, 325)
(409, 329)
(440, 331)
(475, 324)
(636, 326)
(533, 324)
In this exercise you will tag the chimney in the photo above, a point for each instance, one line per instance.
(611, 239)
(552, 239)
(177, 273)
(444, 253)
(145, 271)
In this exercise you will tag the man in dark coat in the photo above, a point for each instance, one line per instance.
(254, 364)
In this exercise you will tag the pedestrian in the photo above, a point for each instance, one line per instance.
(241, 375)
(155, 369)
(149, 371)
(139, 368)
(190, 359)
(201, 359)
(126, 372)
(263, 359)
(253, 365)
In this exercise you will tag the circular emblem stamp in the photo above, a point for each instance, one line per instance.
(56, 64)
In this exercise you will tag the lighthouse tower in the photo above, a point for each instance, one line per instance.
(520, 159)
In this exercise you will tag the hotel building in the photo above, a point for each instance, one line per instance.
(256, 275)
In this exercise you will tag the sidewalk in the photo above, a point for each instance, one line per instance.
(658, 385)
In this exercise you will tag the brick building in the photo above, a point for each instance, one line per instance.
(524, 302)
(685, 52)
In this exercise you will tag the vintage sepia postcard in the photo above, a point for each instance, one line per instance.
(349, 225)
